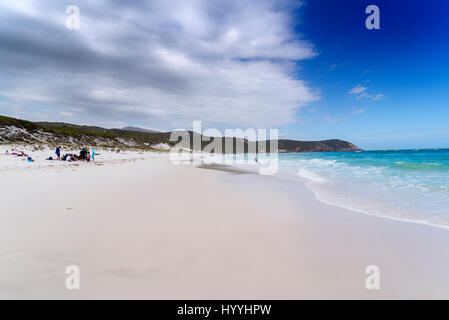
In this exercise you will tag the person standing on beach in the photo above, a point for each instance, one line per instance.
(93, 154)
(58, 152)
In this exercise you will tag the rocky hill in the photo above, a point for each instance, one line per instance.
(57, 133)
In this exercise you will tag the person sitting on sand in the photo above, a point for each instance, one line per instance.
(30, 159)
(58, 152)
(67, 157)
(83, 154)
(6, 153)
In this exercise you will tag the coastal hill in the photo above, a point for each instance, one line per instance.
(138, 129)
(57, 133)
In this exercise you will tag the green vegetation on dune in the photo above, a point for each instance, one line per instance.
(66, 133)
(74, 130)
(7, 121)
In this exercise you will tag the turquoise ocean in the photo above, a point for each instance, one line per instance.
(410, 185)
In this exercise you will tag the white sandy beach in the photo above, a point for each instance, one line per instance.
(140, 227)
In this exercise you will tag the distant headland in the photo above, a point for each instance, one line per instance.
(14, 130)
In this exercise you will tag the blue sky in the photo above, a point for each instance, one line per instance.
(309, 68)
(407, 61)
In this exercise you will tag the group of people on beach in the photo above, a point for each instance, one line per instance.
(21, 154)
(84, 155)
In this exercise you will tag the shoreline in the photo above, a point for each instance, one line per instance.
(218, 166)
(359, 211)
(235, 168)
(148, 229)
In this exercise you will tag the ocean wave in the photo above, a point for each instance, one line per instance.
(404, 185)
(420, 166)
(309, 175)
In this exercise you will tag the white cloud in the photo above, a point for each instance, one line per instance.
(379, 96)
(374, 97)
(334, 119)
(362, 93)
(161, 63)
(359, 111)
(358, 89)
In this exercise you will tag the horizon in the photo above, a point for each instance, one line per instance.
(309, 68)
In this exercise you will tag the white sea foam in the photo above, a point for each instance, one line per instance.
(396, 185)
(309, 175)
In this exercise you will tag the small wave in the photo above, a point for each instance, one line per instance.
(419, 166)
(312, 176)
(322, 162)
(382, 211)
(404, 185)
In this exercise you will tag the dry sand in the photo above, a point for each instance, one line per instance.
(141, 227)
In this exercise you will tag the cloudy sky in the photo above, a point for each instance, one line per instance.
(309, 68)
(154, 63)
